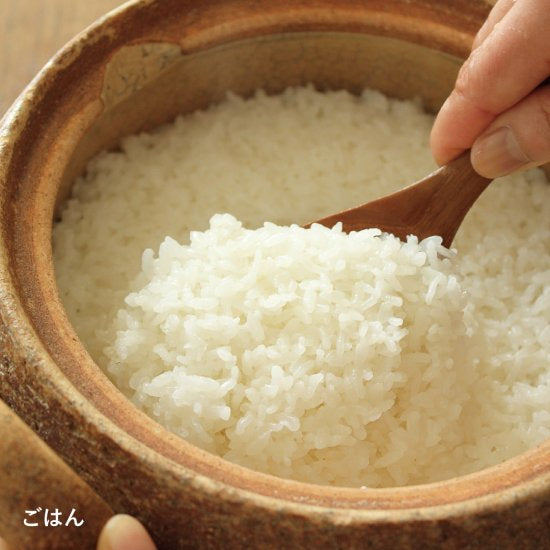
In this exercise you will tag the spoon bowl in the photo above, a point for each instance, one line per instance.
(435, 205)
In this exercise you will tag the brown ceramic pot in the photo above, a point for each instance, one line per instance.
(136, 68)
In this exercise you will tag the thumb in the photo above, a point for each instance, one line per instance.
(517, 139)
(124, 532)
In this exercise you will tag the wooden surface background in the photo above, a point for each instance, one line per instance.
(31, 31)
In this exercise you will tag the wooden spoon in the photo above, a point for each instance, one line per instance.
(435, 205)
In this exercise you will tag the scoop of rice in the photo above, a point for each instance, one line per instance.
(305, 353)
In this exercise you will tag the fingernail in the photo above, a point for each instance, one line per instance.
(498, 153)
(124, 532)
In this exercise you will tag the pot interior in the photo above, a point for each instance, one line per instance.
(179, 84)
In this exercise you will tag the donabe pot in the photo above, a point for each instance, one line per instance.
(138, 67)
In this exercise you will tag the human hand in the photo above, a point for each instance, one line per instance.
(121, 532)
(498, 107)
(124, 532)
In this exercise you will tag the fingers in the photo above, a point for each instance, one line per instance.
(506, 67)
(124, 532)
(517, 139)
(500, 9)
(121, 532)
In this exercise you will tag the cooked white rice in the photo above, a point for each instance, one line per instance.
(311, 354)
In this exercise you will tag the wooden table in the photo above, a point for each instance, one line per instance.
(31, 31)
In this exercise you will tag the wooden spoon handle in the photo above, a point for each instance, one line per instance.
(33, 477)
(448, 195)
(435, 205)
